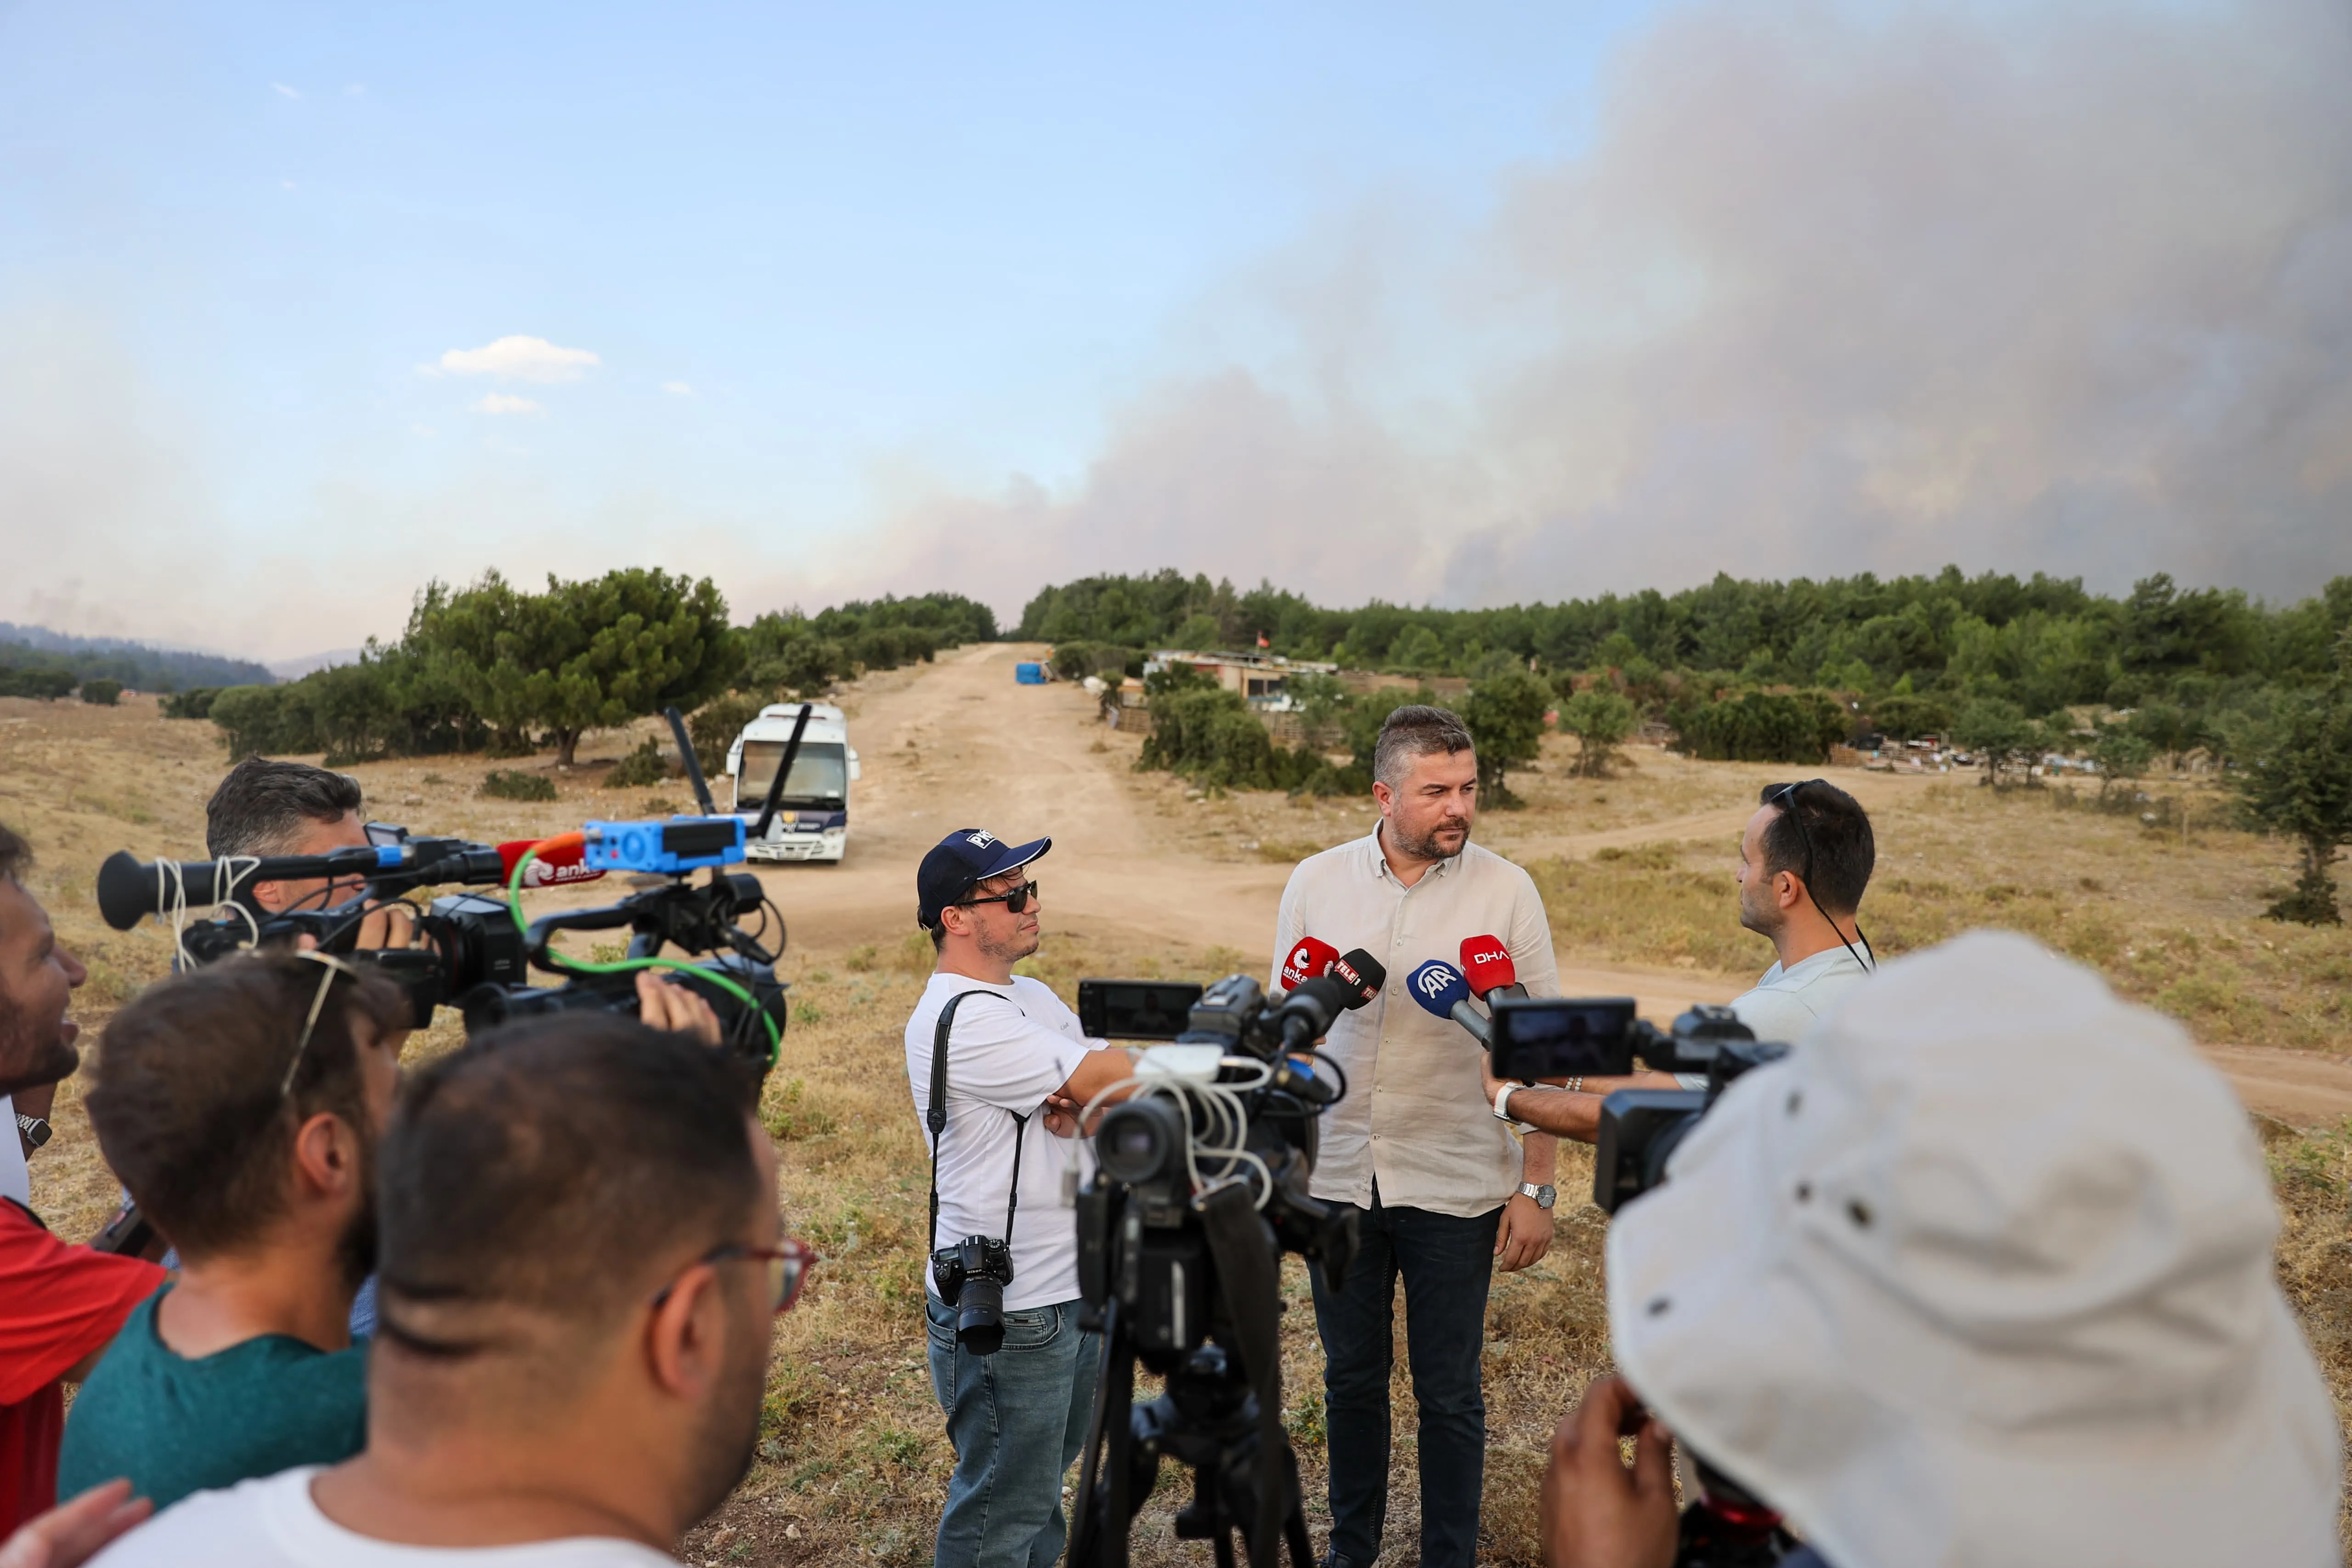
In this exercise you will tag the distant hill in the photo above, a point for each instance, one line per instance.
(142, 666)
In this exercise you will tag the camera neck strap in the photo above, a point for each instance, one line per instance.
(935, 1117)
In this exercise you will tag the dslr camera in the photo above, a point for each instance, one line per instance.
(970, 1276)
(1600, 1036)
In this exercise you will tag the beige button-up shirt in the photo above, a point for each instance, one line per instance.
(1415, 1115)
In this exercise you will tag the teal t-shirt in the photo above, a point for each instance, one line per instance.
(176, 1425)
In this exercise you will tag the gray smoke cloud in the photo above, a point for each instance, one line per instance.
(1833, 288)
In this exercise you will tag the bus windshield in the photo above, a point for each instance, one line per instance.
(820, 774)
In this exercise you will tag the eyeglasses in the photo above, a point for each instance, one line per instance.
(789, 1262)
(1015, 902)
(1785, 797)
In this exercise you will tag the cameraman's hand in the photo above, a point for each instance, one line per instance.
(667, 1005)
(1061, 1115)
(1596, 1513)
(386, 926)
(72, 1533)
(1524, 1235)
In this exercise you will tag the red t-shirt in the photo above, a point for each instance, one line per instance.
(58, 1303)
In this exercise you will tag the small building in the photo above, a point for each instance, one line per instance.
(1262, 678)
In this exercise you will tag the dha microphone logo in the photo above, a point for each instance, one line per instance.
(1436, 979)
(1496, 957)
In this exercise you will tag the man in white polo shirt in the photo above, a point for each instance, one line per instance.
(1445, 1192)
(1804, 861)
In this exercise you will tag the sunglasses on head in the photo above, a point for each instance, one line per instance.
(1014, 902)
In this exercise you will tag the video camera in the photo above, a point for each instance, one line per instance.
(1201, 1186)
(1598, 1036)
(475, 952)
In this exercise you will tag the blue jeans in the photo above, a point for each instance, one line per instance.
(1017, 1419)
(1445, 1262)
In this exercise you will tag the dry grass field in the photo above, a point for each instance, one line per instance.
(1151, 878)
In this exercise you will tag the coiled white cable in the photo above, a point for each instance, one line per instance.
(172, 887)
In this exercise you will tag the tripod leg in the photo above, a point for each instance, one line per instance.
(1224, 1538)
(1099, 1538)
(1293, 1517)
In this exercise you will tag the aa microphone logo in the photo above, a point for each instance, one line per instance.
(1435, 980)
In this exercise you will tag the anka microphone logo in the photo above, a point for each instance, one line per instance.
(1435, 979)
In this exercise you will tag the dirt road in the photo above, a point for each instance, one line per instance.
(959, 744)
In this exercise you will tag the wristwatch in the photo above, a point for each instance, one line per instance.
(36, 1130)
(1544, 1196)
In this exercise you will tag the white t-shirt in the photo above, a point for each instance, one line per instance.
(272, 1523)
(1005, 1056)
(16, 1181)
(1785, 1002)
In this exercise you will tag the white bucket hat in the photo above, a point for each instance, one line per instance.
(1982, 1276)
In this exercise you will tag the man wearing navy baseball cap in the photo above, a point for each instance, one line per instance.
(1016, 1376)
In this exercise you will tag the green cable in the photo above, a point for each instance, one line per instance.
(627, 965)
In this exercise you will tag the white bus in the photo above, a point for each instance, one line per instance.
(812, 816)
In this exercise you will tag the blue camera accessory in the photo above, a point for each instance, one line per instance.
(667, 848)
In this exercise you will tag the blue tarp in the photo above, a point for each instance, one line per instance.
(1029, 673)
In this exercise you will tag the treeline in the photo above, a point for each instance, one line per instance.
(498, 668)
(37, 662)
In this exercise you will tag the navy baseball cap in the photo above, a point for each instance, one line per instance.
(963, 857)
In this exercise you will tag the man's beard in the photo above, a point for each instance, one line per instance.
(1426, 846)
(730, 1434)
(28, 1060)
(1011, 950)
(1765, 923)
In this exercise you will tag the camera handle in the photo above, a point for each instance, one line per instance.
(935, 1117)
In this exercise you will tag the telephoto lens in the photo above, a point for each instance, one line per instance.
(980, 1315)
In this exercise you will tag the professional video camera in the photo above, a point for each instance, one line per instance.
(1598, 1036)
(1202, 1186)
(476, 953)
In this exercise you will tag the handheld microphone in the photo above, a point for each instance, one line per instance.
(1363, 975)
(1310, 959)
(1487, 969)
(558, 865)
(1441, 992)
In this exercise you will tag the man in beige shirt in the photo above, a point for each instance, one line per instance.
(1445, 1192)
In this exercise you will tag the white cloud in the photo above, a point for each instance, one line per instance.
(677, 389)
(507, 403)
(283, 91)
(518, 358)
(421, 429)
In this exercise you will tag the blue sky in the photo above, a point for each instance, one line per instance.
(989, 295)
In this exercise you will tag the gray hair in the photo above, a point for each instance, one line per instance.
(260, 807)
(1416, 730)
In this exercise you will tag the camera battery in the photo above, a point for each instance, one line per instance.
(668, 848)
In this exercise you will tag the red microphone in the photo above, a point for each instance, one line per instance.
(1310, 959)
(555, 867)
(1486, 965)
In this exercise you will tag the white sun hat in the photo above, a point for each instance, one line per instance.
(1981, 1276)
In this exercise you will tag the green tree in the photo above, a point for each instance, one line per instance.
(1601, 721)
(2298, 782)
(593, 654)
(2003, 739)
(105, 693)
(1906, 717)
(1764, 727)
(2120, 756)
(2171, 728)
(1505, 716)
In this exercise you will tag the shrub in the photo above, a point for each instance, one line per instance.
(1212, 736)
(714, 726)
(1113, 661)
(513, 784)
(104, 693)
(1505, 715)
(197, 703)
(46, 685)
(640, 769)
(1762, 727)
(1601, 721)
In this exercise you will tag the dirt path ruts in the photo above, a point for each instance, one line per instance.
(959, 743)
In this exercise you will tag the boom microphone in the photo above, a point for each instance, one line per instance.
(1441, 992)
(1310, 959)
(557, 865)
(1487, 969)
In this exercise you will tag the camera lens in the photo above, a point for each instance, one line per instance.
(1141, 1140)
(980, 1315)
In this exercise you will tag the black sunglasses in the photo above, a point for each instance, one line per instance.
(1785, 797)
(1014, 902)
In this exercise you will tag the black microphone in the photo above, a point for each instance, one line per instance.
(1364, 976)
(1315, 1005)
